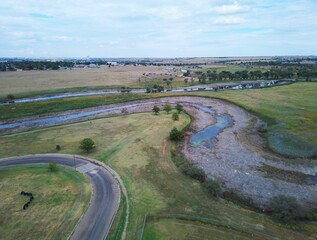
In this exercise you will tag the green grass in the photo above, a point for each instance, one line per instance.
(60, 198)
(163, 229)
(136, 147)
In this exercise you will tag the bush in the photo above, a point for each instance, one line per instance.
(175, 116)
(58, 148)
(156, 110)
(10, 97)
(240, 200)
(167, 108)
(194, 172)
(87, 144)
(213, 187)
(176, 135)
(287, 209)
(179, 108)
(52, 166)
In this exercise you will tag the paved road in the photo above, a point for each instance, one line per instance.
(97, 220)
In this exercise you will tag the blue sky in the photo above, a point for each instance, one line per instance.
(161, 28)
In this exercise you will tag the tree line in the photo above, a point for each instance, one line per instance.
(31, 65)
(289, 73)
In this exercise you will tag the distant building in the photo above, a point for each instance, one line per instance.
(113, 63)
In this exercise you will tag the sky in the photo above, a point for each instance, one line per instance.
(160, 28)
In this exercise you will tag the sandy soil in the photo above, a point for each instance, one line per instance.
(237, 154)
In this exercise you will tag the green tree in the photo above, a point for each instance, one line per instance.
(176, 135)
(175, 116)
(10, 97)
(179, 108)
(213, 187)
(156, 110)
(87, 144)
(167, 108)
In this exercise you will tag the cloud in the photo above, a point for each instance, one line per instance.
(229, 20)
(130, 28)
(229, 9)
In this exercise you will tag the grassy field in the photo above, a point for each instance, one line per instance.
(60, 198)
(35, 81)
(136, 146)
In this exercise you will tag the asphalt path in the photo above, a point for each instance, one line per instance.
(96, 222)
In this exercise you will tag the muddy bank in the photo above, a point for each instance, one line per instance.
(237, 154)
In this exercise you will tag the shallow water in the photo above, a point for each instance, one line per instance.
(207, 136)
(311, 180)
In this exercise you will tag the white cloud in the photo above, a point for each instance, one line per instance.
(229, 20)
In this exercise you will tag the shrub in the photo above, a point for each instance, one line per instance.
(156, 110)
(58, 148)
(167, 108)
(175, 116)
(10, 97)
(179, 107)
(52, 166)
(213, 187)
(176, 135)
(240, 200)
(287, 209)
(194, 172)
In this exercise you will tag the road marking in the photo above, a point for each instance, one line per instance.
(86, 168)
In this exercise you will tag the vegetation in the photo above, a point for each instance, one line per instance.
(87, 144)
(213, 187)
(51, 209)
(175, 116)
(136, 146)
(34, 65)
(167, 108)
(176, 135)
(287, 209)
(52, 166)
(179, 108)
(156, 110)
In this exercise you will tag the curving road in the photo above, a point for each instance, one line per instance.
(96, 222)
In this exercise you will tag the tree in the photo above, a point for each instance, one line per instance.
(213, 187)
(58, 148)
(179, 108)
(52, 166)
(287, 209)
(10, 97)
(167, 108)
(156, 110)
(175, 116)
(87, 144)
(176, 135)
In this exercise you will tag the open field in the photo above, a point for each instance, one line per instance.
(60, 198)
(36, 81)
(136, 147)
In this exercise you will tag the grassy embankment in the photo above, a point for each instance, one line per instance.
(136, 146)
(60, 198)
(289, 110)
